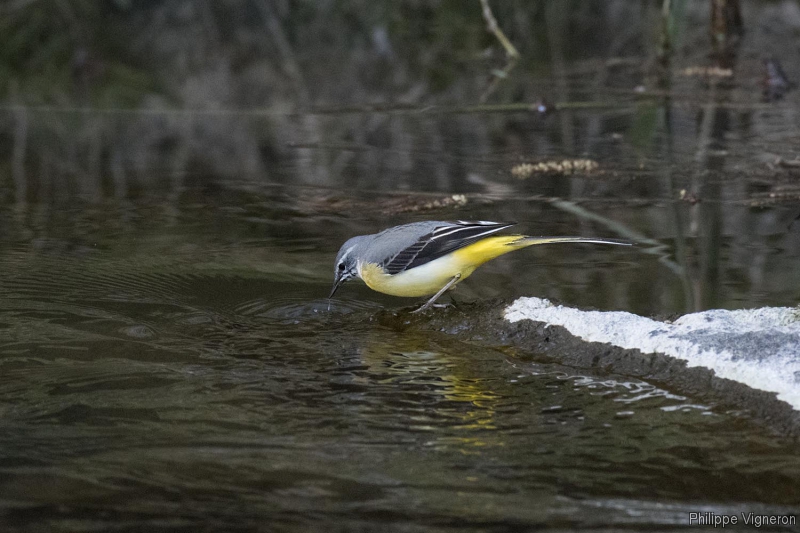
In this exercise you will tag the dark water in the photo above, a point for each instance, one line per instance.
(174, 365)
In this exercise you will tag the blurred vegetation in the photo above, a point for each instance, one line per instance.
(275, 89)
(69, 51)
(111, 53)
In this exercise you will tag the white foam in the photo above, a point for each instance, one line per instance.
(758, 347)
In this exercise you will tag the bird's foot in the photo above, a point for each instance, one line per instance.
(431, 305)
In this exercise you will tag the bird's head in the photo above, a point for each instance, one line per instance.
(345, 267)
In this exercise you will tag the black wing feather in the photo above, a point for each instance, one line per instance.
(440, 242)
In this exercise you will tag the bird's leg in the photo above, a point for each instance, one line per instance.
(450, 284)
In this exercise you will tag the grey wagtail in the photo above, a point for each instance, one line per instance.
(428, 258)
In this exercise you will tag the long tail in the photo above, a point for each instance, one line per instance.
(486, 249)
(525, 240)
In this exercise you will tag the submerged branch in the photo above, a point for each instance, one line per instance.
(653, 246)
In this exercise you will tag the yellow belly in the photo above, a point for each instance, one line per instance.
(423, 280)
(427, 279)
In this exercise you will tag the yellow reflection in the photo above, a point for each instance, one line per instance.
(450, 376)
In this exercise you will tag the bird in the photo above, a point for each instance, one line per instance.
(430, 257)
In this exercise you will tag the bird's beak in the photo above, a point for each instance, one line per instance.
(336, 284)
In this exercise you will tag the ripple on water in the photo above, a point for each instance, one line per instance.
(301, 309)
(160, 391)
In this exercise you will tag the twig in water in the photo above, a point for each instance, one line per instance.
(512, 55)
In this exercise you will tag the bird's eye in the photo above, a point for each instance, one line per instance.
(341, 267)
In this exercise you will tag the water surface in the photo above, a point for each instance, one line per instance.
(172, 366)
